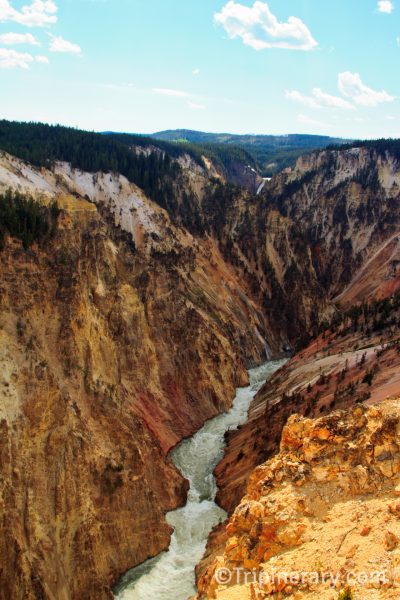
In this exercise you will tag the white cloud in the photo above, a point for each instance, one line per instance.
(11, 59)
(196, 71)
(351, 86)
(331, 101)
(11, 39)
(172, 93)
(42, 59)
(196, 106)
(306, 120)
(260, 29)
(385, 6)
(58, 44)
(302, 99)
(319, 99)
(36, 14)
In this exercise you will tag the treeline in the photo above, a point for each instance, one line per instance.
(142, 141)
(382, 146)
(43, 145)
(24, 218)
(293, 140)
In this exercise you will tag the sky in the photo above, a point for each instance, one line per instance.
(326, 67)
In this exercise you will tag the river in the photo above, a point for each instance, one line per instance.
(171, 575)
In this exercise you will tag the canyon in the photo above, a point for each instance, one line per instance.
(353, 361)
(133, 325)
(113, 350)
(172, 574)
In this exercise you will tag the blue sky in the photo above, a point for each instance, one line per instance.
(281, 66)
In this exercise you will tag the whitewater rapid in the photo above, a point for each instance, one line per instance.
(171, 575)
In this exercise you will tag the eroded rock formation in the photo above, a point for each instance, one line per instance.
(321, 516)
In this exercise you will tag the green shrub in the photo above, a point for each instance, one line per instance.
(346, 594)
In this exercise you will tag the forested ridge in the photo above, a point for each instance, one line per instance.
(42, 145)
(153, 170)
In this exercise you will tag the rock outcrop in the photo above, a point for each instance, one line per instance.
(319, 517)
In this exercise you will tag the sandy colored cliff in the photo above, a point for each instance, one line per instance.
(322, 516)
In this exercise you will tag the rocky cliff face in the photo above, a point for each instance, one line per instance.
(336, 203)
(345, 203)
(320, 517)
(118, 338)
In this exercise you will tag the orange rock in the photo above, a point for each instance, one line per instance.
(366, 530)
(250, 564)
(391, 541)
(268, 532)
(321, 434)
(394, 509)
(231, 544)
(353, 551)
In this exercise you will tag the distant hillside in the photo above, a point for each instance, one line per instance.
(271, 153)
(227, 159)
(267, 154)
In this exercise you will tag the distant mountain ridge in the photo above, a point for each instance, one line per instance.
(272, 153)
(202, 137)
